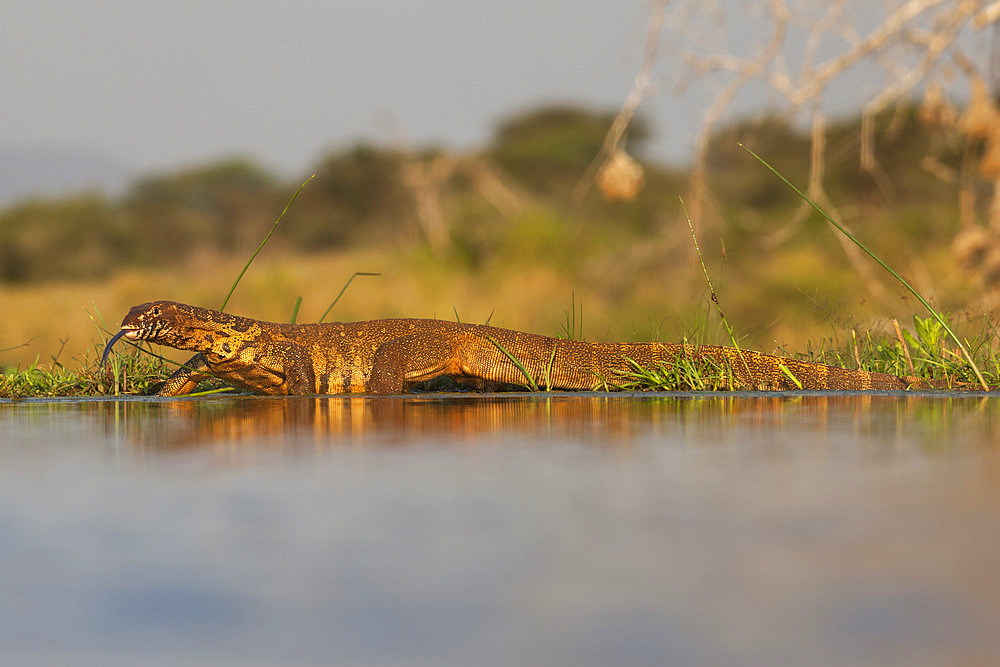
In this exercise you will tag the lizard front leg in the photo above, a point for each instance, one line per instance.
(186, 378)
(283, 368)
(275, 367)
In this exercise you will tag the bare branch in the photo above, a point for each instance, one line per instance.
(613, 139)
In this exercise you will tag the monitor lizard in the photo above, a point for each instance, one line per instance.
(391, 355)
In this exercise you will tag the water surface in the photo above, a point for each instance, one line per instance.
(502, 529)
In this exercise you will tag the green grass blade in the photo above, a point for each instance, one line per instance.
(209, 392)
(784, 369)
(548, 370)
(518, 364)
(902, 281)
(344, 289)
(711, 289)
(262, 243)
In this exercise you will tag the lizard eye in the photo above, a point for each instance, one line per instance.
(155, 312)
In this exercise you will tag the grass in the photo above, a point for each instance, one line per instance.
(942, 323)
(127, 373)
(263, 242)
(926, 353)
(136, 371)
(923, 354)
(685, 374)
(526, 284)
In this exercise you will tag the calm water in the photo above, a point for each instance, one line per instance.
(500, 530)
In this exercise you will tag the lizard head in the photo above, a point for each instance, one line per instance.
(161, 322)
(157, 322)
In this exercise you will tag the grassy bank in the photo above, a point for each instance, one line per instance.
(837, 323)
(509, 246)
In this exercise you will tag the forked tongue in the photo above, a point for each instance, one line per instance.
(107, 348)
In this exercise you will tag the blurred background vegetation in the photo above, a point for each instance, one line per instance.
(496, 234)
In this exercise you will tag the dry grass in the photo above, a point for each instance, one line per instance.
(775, 301)
(38, 318)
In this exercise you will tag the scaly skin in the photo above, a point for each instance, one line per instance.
(388, 356)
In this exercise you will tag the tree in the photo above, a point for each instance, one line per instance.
(805, 49)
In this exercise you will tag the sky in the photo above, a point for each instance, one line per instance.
(157, 86)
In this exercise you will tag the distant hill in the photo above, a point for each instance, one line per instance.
(45, 171)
